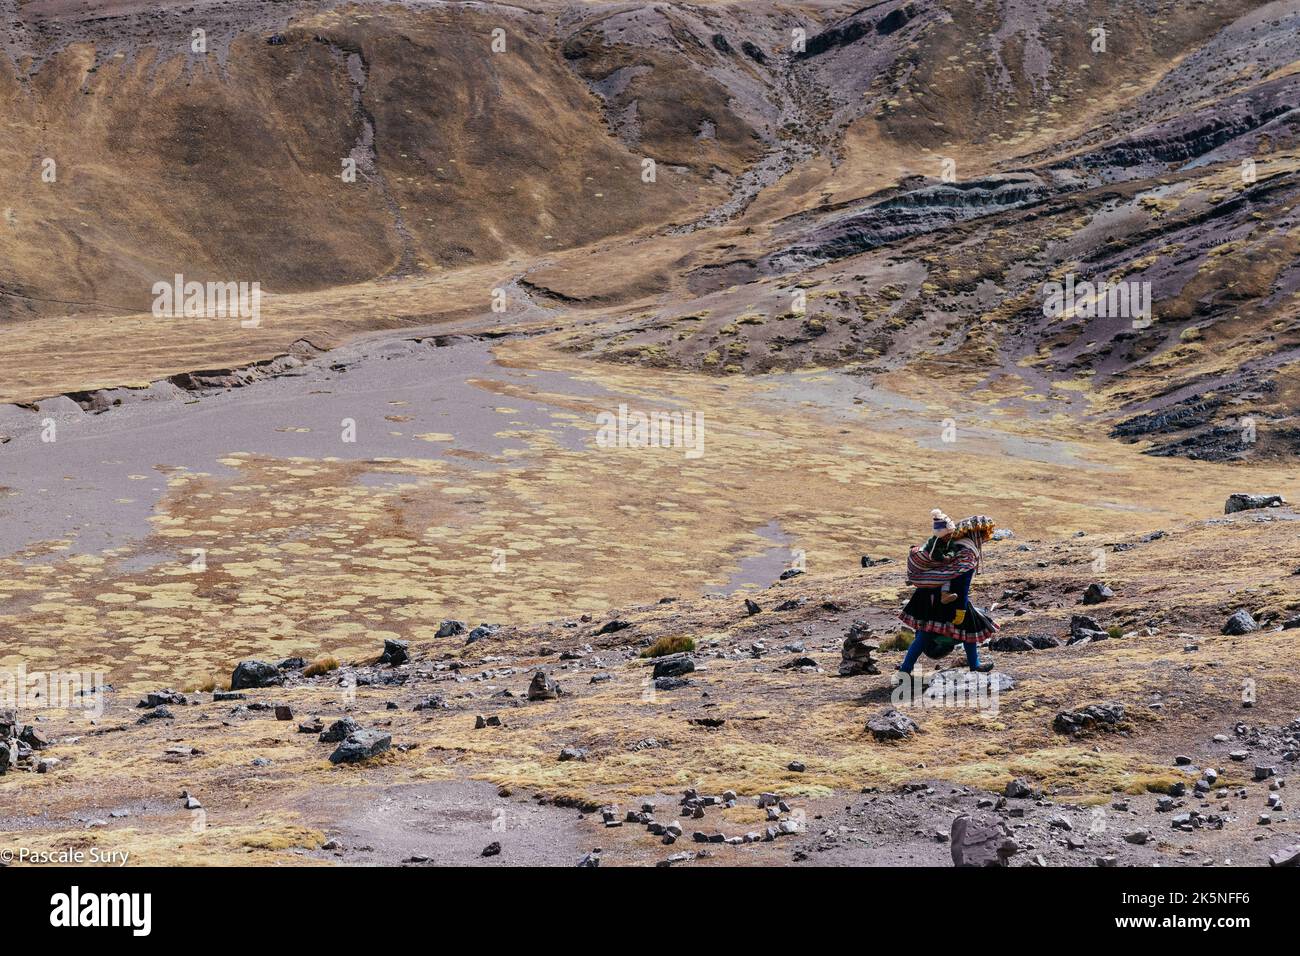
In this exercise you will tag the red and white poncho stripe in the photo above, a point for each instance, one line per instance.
(924, 571)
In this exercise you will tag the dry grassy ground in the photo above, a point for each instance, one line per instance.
(1170, 593)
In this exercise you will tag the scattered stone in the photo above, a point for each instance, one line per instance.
(481, 632)
(249, 674)
(1016, 643)
(34, 737)
(361, 745)
(573, 753)
(794, 766)
(1097, 593)
(892, 725)
(751, 607)
(670, 683)
(1137, 837)
(432, 702)
(1018, 789)
(395, 652)
(543, 688)
(1106, 716)
(313, 726)
(591, 859)
(1288, 856)
(675, 665)
(481, 722)
(158, 697)
(609, 627)
(451, 629)
(789, 573)
(1240, 622)
(158, 713)
(981, 844)
(1245, 502)
(283, 712)
(340, 730)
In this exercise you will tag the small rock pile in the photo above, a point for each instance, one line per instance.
(858, 654)
(1107, 716)
(19, 743)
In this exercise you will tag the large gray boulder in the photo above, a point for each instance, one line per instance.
(543, 687)
(981, 843)
(361, 745)
(1097, 593)
(675, 666)
(395, 652)
(255, 674)
(1240, 623)
(891, 725)
(1287, 856)
(1244, 502)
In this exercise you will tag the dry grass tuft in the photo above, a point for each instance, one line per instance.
(322, 665)
(669, 644)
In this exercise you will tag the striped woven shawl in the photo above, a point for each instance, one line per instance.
(924, 571)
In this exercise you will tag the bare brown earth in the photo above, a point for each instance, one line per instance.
(920, 372)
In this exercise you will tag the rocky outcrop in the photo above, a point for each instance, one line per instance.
(1196, 134)
(914, 212)
(1246, 502)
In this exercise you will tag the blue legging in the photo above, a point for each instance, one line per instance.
(922, 641)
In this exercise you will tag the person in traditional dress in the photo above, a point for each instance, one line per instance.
(940, 611)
